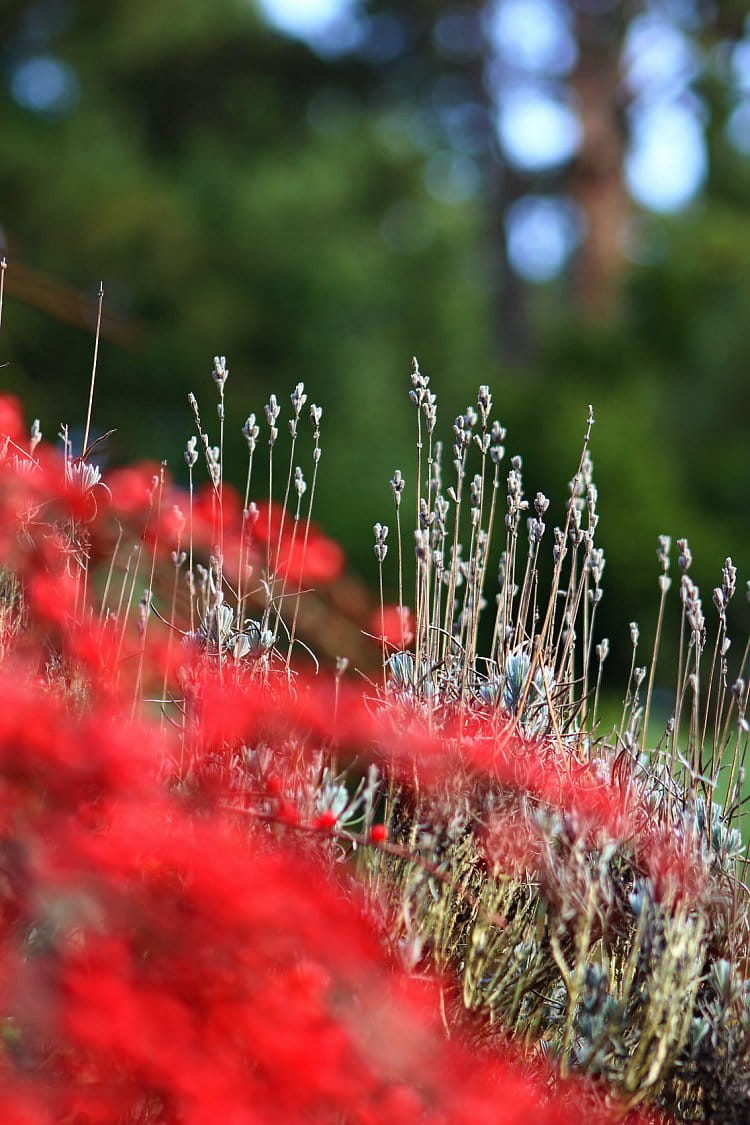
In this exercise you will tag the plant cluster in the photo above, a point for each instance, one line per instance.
(623, 943)
(239, 884)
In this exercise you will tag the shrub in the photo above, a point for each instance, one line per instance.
(239, 884)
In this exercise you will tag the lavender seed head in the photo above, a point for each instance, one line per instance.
(272, 410)
(381, 534)
(662, 551)
(398, 484)
(484, 402)
(685, 556)
(191, 453)
(250, 433)
(300, 485)
(299, 398)
(220, 372)
(497, 449)
(728, 580)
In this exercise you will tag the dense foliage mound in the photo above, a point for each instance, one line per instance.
(239, 884)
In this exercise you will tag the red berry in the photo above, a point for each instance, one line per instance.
(378, 834)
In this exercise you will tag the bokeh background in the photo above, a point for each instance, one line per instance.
(550, 197)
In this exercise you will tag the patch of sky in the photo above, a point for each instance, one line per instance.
(667, 160)
(330, 27)
(44, 84)
(537, 128)
(659, 59)
(741, 65)
(542, 232)
(533, 35)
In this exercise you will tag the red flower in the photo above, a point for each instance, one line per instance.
(393, 625)
(11, 418)
(130, 488)
(296, 552)
(53, 596)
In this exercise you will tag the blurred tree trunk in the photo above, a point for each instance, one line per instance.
(596, 178)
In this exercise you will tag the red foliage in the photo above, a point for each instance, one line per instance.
(11, 418)
(393, 625)
(299, 556)
(188, 952)
(52, 596)
(319, 710)
(130, 488)
(193, 966)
